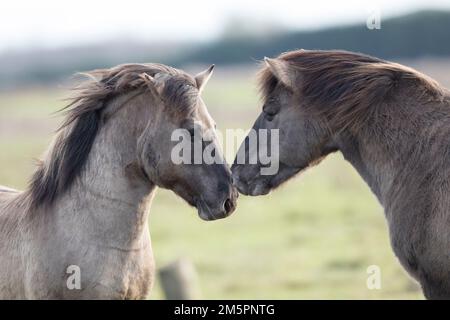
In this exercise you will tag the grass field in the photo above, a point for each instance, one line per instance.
(313, 238)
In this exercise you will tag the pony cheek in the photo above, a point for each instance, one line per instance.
(150, 161)
(291, 154)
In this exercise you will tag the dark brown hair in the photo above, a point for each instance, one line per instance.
(346, 87)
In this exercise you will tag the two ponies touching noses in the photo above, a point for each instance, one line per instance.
(88, 201)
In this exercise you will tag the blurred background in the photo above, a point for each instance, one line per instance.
(313, 238)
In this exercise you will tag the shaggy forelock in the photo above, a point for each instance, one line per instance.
(180, 93)
(347, 87)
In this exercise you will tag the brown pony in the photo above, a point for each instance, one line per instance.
(390, 122)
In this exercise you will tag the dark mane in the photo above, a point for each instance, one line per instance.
(345, 86)
(70, 150)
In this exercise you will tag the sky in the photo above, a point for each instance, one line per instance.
(49, 23)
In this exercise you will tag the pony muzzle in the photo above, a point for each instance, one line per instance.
(226, 208)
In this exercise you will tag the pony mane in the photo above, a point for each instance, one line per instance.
(70, 150)
(346, 87)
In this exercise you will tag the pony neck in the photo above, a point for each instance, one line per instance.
(392, 153)
(111, 198)
(377, 173)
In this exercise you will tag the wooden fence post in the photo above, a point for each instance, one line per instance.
(179, 280)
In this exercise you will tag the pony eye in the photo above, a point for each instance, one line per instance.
(269, 117)
(269, 113)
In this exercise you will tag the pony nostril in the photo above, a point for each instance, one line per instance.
(228, 205)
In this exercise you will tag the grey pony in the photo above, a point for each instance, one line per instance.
(87, 205)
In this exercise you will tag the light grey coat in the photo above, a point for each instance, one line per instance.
(88, 203)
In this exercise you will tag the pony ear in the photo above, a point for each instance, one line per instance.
(282, 71)
(202, 78)
(155, 86)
